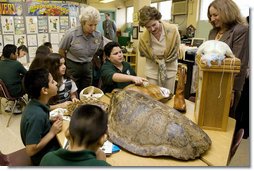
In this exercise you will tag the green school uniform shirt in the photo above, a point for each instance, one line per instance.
(11, 73)
(63, 157)
(107, 72)
(35, 124)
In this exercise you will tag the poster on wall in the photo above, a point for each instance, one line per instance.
(53, 23)
(42, 24)
(7, 8)
(74, 10)
(73, 22)
(20, 40)
(42, 38)
(47, 9)
(60, 36)
(32, 52)
(1, 44)
(0, 28)
(7, 24)
(8, 39)
(32, 40)
(19, 25)
(54, 38)
(31, 25)
(19, 8)
(64, 23)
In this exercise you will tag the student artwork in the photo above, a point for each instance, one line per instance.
(19, 10)
(32, 40)
(53, 22)
(8, 39)
(73, 21)
(1, 44)
(7, 24)
(42, 38)
(54, 38)
(60, 36)
(64, 23)
(42, 24)
(20, 40)
(31, 25)
(32, 51)
(19, 25)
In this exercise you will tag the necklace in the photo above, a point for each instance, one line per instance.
(219, 35)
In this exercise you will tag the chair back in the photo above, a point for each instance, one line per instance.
(3, 160)
(4, 91)
(236, 142)
(17, 158)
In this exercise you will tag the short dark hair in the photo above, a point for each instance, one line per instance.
(88, 123)
(107, 14)
(48, 44)
(148, 13)
(23, 47)
(34, 81)
(109, 46)
(8, 50)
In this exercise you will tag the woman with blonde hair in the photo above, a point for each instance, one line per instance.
(230, 27)
(79, 45)
(160, 44)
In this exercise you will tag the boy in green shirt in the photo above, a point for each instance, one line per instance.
(12, 72)
(86, 133)
(38, 133)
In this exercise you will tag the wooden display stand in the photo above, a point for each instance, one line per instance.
(213, 94)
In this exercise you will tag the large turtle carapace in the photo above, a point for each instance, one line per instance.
(146, 127)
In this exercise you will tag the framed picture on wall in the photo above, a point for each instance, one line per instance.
(135, 32)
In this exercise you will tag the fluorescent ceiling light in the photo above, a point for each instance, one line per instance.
(106, 1)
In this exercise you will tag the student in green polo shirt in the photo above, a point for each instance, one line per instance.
(115, 72)
(12, 72)
(38, 133)
(86, 133)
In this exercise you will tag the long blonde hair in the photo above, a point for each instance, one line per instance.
(228, 11)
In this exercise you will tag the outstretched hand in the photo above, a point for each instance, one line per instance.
(139, 80)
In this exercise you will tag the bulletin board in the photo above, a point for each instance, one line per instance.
(32, 23)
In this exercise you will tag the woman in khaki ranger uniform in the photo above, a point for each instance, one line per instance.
(79, 45)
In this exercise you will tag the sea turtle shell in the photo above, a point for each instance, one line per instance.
(147, 127)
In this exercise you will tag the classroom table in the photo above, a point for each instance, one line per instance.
(217, 155)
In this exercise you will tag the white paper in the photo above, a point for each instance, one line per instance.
(107, 147)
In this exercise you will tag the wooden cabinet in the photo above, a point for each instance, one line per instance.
(131, 58)
(213, 95)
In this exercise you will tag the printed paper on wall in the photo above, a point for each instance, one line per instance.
(31, 25)
(42, 38)
(53, 23)
(32, 40)
(7, 24)
(8, 39)
(20, 40)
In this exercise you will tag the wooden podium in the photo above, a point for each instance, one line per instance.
(213, 94)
